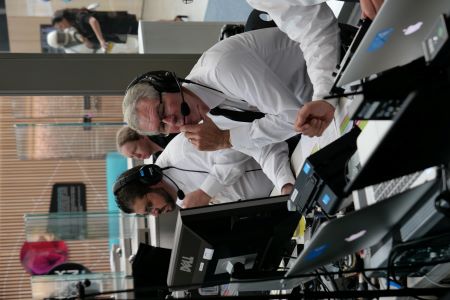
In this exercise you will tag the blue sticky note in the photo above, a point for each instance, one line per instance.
(380, 39)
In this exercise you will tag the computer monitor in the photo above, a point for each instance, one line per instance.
(210, 240)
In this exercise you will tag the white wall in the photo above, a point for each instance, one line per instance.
(155, 10)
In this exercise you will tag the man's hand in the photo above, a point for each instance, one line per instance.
(287, 189)
(314, 117)
(196, 198)
(370, 8)
(207, 136)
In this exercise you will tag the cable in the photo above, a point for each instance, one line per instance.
(367, 279)
(196, 284)
(435, 283)
(199, 84)
(180, 194)
(186, 170)
(343, 95)
(333, 282)
(205, 172)
(319, 279)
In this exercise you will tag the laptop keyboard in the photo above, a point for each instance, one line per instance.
(395, 186)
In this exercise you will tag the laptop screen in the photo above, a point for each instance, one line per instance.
(394, 37)
(358, 230)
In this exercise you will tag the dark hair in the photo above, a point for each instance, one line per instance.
(126, 134)
(69, 14)
(127, 195)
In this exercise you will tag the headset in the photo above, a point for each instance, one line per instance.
(152, 174)
(167, 82)
(147, 174)
(163, 82)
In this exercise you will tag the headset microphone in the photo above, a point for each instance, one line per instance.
(185, 110)
(180, 193)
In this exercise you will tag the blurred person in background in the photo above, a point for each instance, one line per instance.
(70, 41)
(134, 145)
(97, 28)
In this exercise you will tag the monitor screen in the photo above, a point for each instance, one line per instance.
(254, 234)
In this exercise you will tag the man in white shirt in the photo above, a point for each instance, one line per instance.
(309, 22)
(261, 70)
(184, 168)
(278, 9)
(224, 166)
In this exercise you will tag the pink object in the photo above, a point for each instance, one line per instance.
(39, 258)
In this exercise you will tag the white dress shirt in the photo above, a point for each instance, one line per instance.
(225, 175)
(261, 70)
(312, 24)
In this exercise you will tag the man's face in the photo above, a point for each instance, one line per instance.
(154, 203)
(164, 115)
(139, 149)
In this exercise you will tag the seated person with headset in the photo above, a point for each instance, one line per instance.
(220, 168)
(157, 188)
(134, 145)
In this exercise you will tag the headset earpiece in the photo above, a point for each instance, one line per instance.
(163, 82)
(147, 174)
(150, 174)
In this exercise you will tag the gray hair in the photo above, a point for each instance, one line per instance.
(130, 101)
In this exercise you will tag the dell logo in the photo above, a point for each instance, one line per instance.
(186, 264)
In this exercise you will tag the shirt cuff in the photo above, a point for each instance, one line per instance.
(239, 137)
(211, 186)
(282, 180)
(322, 91)
(333, 102)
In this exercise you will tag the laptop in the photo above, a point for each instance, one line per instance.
(355, 231)
(394, 37)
